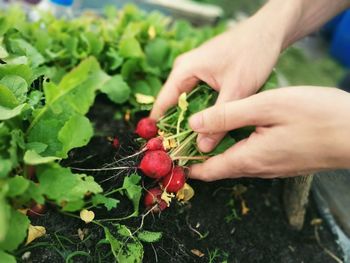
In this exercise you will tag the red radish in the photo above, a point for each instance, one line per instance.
(175, 180)
(36, 210)
(154, 201)
(147, 128)
(156, 164)
(155, 144)
(115, 143)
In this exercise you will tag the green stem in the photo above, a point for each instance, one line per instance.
(183, 145)
(178, 135)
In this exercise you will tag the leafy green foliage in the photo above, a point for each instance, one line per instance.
(17, 231)
(133, 190)
(65, 188)
(175, 126)
(108, 202)
(117, 90)
(50, 74)
(126, 248)
(149, 237)
(4, 257)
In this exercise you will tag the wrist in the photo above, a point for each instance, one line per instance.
(290, 20)
(279, 18)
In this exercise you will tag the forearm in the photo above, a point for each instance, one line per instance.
(290, 20)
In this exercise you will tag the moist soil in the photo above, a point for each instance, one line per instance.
(210, 228)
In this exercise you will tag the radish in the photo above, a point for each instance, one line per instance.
(156, 164)
(175, 180)
(155, 144)
(154, 201)
(147, 128)
(115, 143)
(36, 210)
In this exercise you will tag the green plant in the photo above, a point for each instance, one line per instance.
(50, 73)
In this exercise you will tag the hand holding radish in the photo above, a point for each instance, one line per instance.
(238, 62)
(226, 63)
(298, 130)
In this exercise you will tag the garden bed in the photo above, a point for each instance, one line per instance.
(211, 223)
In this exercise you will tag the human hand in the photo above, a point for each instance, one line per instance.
(298, 130)
(235, 63)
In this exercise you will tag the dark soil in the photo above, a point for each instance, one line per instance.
(215, 213)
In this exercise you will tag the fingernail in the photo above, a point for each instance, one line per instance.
(206, 144)
(196, 121)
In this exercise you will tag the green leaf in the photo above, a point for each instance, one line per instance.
(17, 186)
(61, 185)
(126, 248)
(23, 71)
(33, 192)
(76, 132)
(116, 89)
(133, 190)
(155, 85)
(73, 96)
(157, 52)
(225, 143)
(5, 213)
(149, 237)
(6, 258)
(33, 158)
(72, 206)
(115, 59)
(130, 48)
(7, 97)
(36, 146)
(141, 86)
(22, 47)
(6, 113)
(108, 202)
(17, 231)
(130, 68)
(5, 167)
(17, 85)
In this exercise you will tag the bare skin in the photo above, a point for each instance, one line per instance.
(236, 64)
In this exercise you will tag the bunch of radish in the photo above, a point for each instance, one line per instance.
(157, 164)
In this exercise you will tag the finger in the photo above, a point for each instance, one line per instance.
(179, 81)
(230, 164)
(253, 111)
(208, 142)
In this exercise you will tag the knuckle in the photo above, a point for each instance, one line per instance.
(219, 117)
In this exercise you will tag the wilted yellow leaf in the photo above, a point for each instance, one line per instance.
(197, 252)
(166, 197)
(245, 208)
(23, 210)
(183, 104)
(35, 232)
(185, 193)
(144, 99)
(172, 143)
(152, 32)
(87, 216)
(316, 221)
(82, 233)
(166, 144)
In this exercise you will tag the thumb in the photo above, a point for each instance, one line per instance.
(251, 111)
